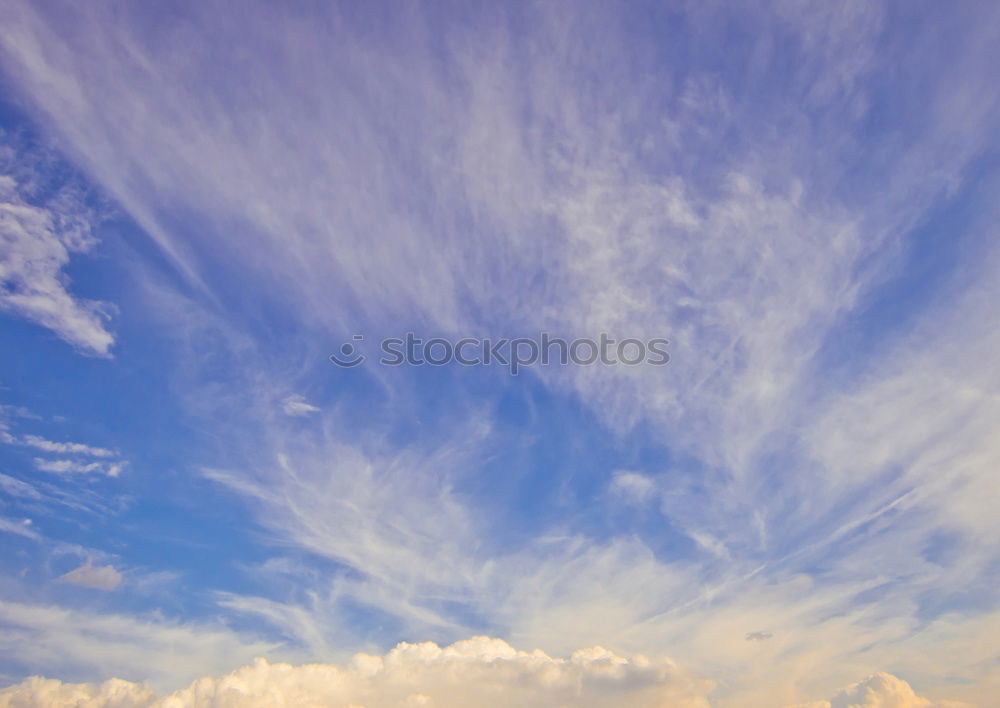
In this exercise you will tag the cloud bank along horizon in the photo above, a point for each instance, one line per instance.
(481, 671)
(200, 203)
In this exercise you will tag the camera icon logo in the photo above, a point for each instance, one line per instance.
(349, 356)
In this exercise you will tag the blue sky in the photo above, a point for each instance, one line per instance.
(200, 202)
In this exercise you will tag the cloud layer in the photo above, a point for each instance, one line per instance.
(481, 672)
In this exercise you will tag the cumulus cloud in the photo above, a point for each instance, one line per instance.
(881, 690)
(36, 244)
(98, 577)
(39, 692)
(481, 672)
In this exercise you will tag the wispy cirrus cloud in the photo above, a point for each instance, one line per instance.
(43, 638)
(110, 469)
(18, 488)
(19, 528)
(70, 448)
(77, 457)
(297, 406)
(740, 192)
(734, 254)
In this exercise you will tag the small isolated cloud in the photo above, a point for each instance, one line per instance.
(632, 486)
(881, 690)
(36, 244)
(98, 577)
(480, 672)
(296, 405)
(758, 636)
(109, 469)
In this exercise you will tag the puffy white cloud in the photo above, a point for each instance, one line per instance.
(881, 690)
(98, 577)
(481, 671)
(38, 692)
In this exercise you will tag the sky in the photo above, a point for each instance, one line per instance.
(201, 202)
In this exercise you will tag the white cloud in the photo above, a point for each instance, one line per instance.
(748, 276)
(632, 486)
(56, 493)
(881, 690)
(42, 693)
(730, 272)
(418, 546)
(480, 672)
(97, 577)
(110, 469)
(296, 406)
(18, 488)
(36, 243)
(73, 465)
(66, 448)
(47, 639)
(390, 513)
(15, 412)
